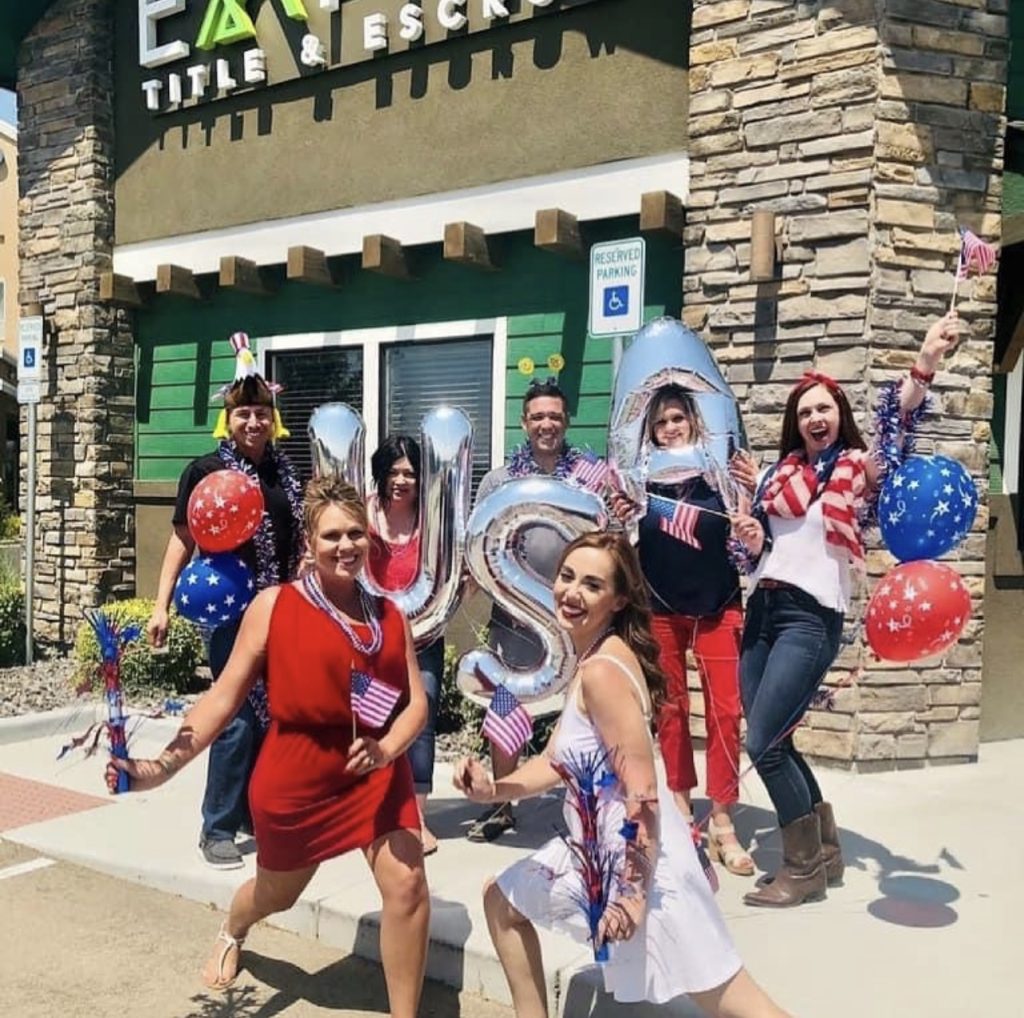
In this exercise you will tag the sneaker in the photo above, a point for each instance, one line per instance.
(221, 854)
(493, 824)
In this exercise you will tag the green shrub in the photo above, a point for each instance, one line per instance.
(12, 623)
(10, 527)
(142, 670)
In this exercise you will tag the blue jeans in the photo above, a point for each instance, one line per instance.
(232, 756)
(789, 641)
(421, 752)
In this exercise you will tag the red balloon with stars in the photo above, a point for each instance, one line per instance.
(917, 610)
(225, 510)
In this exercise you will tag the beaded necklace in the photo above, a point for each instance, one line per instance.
(311, 585)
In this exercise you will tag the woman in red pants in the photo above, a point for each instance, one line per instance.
(696, 604)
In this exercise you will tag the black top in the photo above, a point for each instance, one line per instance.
(684, 580)
(274, 499)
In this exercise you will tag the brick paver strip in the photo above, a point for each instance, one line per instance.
(30, 802)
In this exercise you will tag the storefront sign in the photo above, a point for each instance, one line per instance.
(617, 287)
(226, 51)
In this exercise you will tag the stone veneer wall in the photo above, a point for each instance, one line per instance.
(84, 548)
(872, 128)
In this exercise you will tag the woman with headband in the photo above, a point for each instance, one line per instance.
(804, 528)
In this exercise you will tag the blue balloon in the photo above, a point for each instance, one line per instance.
(214, 590)
(927, 506)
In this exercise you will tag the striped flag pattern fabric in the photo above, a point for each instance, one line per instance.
(677, 519)
(794, 485)
(372, 700)
(591, 472)
(506, 722)
(975, 254)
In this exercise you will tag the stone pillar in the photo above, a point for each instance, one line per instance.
(872, 129)
(85, 541)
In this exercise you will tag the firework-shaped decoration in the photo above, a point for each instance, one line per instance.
(590, 782)
(112, 639)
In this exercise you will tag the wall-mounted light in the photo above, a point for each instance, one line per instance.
(763, 253)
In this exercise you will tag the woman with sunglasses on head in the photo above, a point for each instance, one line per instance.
(664, 934)
(332, 774)
(805, 530)
(695, 598)
(394, 563)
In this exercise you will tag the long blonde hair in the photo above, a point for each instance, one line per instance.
(632, 622)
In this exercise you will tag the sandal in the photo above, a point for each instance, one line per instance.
(733, 857)
(229, 942)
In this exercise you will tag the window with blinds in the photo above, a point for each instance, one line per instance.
(415, 377)
(312, 377)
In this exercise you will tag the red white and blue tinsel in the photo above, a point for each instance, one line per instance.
(600, 866)
(895, 432)
(523, 464)
(268, 572)
(112, 639)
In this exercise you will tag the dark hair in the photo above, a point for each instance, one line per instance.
(669, 393)
(249, 391)
(549, 387)
(849, 433)
(632, 622)
(389, 452)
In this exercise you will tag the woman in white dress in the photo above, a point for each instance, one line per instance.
(664, 933)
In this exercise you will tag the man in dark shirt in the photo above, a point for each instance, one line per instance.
(248, 427)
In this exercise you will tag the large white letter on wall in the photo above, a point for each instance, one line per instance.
(447, 16)
(150, 54)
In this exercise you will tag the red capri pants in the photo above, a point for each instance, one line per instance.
(715, 642)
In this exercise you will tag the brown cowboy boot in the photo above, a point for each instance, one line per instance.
(831, 851)
(802, 874)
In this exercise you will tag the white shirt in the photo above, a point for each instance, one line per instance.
(801, 555)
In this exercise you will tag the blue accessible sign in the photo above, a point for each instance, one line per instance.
(617, 287)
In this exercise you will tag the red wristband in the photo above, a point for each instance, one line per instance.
(925, 377)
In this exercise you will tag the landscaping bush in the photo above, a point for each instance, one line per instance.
(455, 712)
(12, 622)
(142, 671)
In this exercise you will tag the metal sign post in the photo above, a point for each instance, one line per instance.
(30, 351)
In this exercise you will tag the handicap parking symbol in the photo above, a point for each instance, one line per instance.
(29, 357)
(616, 301)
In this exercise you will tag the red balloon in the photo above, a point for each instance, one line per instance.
(918, 610)
(224, 510)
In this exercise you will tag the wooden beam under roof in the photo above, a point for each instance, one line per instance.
(467, 244)
(385, 255)
(310, 265)
(123, 290)
(558, 231)
(661, 212)
(177, 280)
(237, 273)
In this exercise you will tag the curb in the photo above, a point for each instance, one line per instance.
(43, 724)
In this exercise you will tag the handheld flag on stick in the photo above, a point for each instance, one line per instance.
(592, 472)
(974, 254)
(372, 700)
(506, 722)
(677, 519)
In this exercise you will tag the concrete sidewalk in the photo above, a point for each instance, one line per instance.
(924, 926)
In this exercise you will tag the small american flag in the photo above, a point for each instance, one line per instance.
(678, 519)
(974, 254)
(506, 722)
(591, 472)
(372, 700)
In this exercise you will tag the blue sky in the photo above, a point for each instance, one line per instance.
(7, 107)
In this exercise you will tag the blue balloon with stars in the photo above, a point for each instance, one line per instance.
(927, 507)
(214, 590)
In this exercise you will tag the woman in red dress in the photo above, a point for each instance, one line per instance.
(346, 702)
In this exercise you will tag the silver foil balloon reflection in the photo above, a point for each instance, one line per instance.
(446, 458)
(665, 352)
(492, 543)
(337, 438)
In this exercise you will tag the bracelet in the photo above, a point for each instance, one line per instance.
(921, 378)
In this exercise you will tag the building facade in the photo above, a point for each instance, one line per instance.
(396, 202)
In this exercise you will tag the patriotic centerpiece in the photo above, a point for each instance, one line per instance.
(112, 639)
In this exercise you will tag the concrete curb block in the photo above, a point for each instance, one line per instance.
(45, 724)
